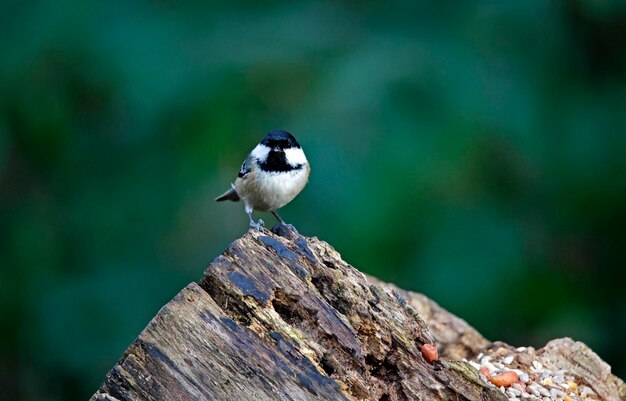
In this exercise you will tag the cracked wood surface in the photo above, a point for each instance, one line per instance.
(283, 317)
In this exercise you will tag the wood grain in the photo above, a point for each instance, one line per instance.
(283, 317)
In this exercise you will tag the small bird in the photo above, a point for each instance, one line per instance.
(271, 176)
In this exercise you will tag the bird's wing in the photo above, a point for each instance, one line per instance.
(232, 194)
(246, 167)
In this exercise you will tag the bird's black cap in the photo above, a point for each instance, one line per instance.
(281, 139)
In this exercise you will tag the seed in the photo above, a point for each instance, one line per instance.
(429, 352)
(513, 392)
(504, 379)
(490, 366)
(554, 393)
(502, 351)
(586, 391)
(533, 390)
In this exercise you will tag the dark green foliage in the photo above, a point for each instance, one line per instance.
(482, 145)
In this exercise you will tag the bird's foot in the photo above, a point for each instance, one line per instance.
(291, 227)
(285, 230)
(260, 225)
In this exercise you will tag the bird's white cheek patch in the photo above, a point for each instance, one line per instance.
(295, 156)
(260, 152)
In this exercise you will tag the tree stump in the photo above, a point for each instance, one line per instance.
(279, 316)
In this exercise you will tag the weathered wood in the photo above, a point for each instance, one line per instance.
(454, 337)
(285, 318)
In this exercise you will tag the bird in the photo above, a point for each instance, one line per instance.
(272, 175)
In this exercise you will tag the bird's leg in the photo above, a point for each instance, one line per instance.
(281, 221)
(253, 224)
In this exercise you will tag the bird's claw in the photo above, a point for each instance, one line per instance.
(291, 227)
(260, 225)
(285, 230)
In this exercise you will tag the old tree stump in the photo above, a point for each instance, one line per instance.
(283, 317)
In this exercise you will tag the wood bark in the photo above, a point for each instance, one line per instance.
(279, 316)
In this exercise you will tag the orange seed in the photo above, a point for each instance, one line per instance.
(429, 352)
(504, 379)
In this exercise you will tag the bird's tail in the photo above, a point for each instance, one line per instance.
(230, 195)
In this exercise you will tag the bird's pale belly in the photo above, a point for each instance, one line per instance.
(270, 191)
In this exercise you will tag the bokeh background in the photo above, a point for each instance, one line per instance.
(474, 151)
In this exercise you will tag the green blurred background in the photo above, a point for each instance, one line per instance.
(474, 151)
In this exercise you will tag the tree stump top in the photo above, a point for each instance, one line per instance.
(283, 317)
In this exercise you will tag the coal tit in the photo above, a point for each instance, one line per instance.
(271, 176)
